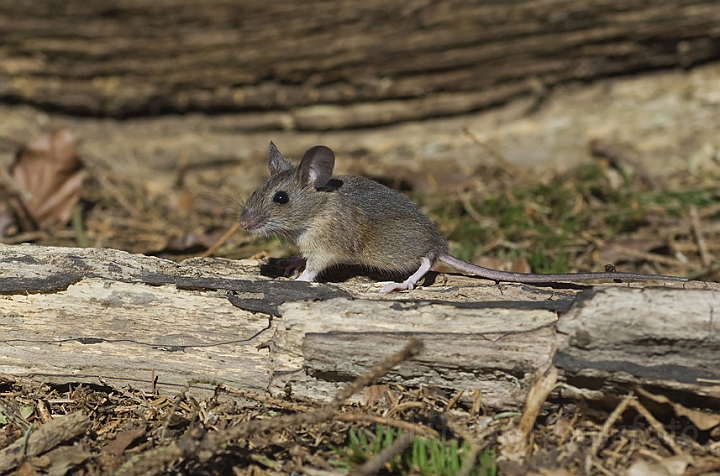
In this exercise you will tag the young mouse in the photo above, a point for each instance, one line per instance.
(356, 221)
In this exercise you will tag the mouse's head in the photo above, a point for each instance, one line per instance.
(292, 196)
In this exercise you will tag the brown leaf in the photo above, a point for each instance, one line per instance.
(673, 466)
(49, 170)
(375, 393)
(111, 453)
(117, 446)
(703, 421)
(64, 458)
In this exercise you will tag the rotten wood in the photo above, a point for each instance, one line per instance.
(44, 438)
(497, 350)
(98, 315)
(658, 337)
(317, 65)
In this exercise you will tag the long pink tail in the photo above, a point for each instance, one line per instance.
(496, 275)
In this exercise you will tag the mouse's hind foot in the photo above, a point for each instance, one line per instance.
(409, 283)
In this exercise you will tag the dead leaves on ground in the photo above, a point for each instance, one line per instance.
(545, 439)
(49, 176)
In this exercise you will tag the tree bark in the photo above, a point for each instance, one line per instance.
(321, 65)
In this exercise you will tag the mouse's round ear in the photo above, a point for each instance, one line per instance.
(276, 162)
(316, 166)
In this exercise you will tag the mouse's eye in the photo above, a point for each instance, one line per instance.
(281, 198)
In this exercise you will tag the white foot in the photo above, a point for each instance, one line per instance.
(409, 283)
(308, 275)
(404, 286)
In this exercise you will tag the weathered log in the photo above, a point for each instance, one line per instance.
(332, 65)
(92, 315)
(498, 350)
(668, 338)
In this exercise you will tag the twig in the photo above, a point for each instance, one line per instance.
(512, 169)
(266, 399)
(538, 394)
(705, 257)
(378, 461)
(12, 186)
(454, 400)
(403, 406)
(605, 431)
(43, 439)
(705, 469)
(222, 240)
(468, 207)
(412, 427)
(652, 257)
(514, 442)
(477, 401)
(657, 426)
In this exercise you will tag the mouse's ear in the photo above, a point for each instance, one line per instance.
(316, 166)
(276, 162)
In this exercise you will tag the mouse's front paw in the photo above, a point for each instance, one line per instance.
(294, 267)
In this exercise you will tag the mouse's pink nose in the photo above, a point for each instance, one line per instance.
(249, 222)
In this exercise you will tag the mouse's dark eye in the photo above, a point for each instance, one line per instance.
(281, 198)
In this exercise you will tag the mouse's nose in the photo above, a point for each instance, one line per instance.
(249, 222)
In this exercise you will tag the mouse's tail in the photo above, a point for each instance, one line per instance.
(511, 277)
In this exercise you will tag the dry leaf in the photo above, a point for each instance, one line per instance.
(375, 393)
(50, 171)
(561, 427)
(117, 446)
(676, 465)
(673, 466)
(64, 458)
(643, 468)
(703, 421)
(111, 453)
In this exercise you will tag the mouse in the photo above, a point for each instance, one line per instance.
(353, 220)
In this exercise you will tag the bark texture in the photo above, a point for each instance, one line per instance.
(321, 65)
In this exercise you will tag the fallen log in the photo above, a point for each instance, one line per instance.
(98, 315)
(317, 65)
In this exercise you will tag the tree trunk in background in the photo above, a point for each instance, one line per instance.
(320, 65)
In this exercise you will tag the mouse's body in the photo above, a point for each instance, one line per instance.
(356, 221)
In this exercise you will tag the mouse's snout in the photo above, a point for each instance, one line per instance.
(250, 222)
